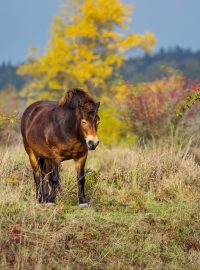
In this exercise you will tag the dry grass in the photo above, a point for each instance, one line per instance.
(144, 212)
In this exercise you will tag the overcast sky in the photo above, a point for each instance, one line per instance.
(26, 23)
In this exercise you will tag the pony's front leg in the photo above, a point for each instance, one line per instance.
(80, 169)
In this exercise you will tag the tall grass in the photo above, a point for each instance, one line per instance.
(144, 212)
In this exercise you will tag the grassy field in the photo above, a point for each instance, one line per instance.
(144, 212)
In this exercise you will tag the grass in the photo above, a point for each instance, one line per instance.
(144, 212)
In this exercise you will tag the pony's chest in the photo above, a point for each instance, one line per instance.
(69, 151)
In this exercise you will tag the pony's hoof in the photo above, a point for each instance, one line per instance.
(50, 204)
(84, 205)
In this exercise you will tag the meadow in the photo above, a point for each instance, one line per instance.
(144, 211)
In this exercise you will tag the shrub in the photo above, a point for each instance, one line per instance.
(150, 108)
(112, 128)
(9, 116)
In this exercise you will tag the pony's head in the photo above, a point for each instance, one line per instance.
(87, 113)
(89, 123)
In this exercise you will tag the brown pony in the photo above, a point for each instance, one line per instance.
(56, 131)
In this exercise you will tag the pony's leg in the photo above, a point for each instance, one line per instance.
(49, 173)
(45, 190)
(54, 182)
(80, 169)
(44, 167)
(34, 160)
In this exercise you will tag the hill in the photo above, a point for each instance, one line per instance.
(148, 68)
(9, 76)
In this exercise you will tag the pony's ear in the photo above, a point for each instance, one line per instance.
(97, 105)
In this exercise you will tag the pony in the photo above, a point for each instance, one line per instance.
(53, 132)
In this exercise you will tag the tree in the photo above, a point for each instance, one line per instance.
(85, 50)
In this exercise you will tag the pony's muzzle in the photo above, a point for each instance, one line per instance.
(92, 143)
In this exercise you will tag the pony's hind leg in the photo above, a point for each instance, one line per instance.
(34, 160)
(43, 163)
(47, 179)
(54, 182)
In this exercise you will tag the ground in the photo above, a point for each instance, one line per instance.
(143, 214)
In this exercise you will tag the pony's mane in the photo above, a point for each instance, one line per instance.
(73, 96)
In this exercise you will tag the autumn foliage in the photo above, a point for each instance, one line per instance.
(150, 108)
(86, 49)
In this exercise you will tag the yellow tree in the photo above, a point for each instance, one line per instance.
(85, 50)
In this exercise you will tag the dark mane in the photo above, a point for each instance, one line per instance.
(73, 96)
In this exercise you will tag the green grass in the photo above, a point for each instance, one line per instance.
(144, 212)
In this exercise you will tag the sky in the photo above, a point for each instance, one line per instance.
(26, 23)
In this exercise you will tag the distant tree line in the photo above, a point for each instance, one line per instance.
(139, 69)
(9, 77)
(148, 68)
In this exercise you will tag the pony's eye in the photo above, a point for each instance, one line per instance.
(83, 122)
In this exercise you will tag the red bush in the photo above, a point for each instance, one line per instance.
(151, 107)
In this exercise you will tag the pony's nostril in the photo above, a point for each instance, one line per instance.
(90, 143)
